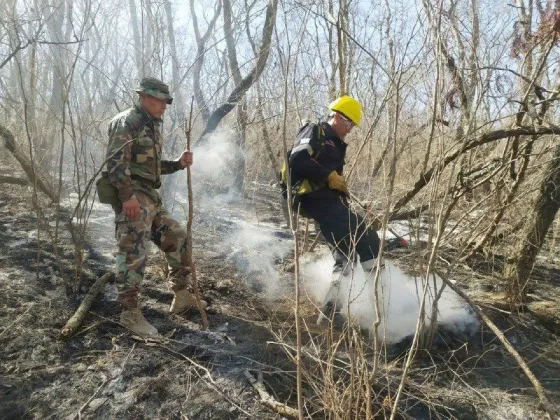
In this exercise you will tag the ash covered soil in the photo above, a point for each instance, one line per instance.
(104, 372)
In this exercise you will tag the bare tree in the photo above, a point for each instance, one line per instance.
(253, 75)
(201, 41)
(138, 32)
(237, 79)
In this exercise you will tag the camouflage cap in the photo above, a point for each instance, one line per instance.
(156, 88)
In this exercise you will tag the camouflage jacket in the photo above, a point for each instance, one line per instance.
(134, 154)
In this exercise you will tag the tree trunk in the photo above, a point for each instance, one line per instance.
(237, 79)
(519, 268)
(138, 50)
(55, 24)
(200, 53)
(266, 139)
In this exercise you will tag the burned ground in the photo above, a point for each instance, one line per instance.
(104, 372)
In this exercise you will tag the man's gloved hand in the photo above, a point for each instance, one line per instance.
(337, 182)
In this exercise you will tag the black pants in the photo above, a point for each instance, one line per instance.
(344, 230)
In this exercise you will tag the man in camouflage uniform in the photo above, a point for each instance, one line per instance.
(134, 167)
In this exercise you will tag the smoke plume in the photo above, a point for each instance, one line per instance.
(252, 247)
(399, 299)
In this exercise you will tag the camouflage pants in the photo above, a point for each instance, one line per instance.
(155, 224)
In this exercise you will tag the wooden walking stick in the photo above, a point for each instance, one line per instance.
(188, 127)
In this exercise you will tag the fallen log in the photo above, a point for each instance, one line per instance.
(408, 214)
(13, 180)
(76, 320)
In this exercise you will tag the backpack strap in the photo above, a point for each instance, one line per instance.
(310, 137)
(319, 137)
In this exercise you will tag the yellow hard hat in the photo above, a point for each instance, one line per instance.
(349, 107)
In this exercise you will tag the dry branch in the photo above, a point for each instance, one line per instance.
(206, 376)
(201, 41)
(78, 415)
(489, 137)
(78, 317)
(318, 237)
(26, 164)
(9, 326)
(240, 89)
(544, 402)
(269, 401)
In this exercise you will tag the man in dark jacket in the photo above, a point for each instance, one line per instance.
(316, 164)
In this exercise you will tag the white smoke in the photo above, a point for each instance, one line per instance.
(255, 250)
(399, 299)
(212, 176)
(214, 170)
(215, 159)
(251, 247)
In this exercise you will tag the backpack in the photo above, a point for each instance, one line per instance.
(310, 136)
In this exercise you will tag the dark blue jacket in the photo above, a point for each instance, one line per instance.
(315, 158)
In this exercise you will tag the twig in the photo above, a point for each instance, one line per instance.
(366, 208)
(318, 237)
(196, 290)
(544, 402)
(127, 357)
(207, 377)
(95, 324)
(76, 320)
(78, 415)
(17, 319)
(485, 305)
(305, 235)
(298, 319)
(268, 400)
(207, 373)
